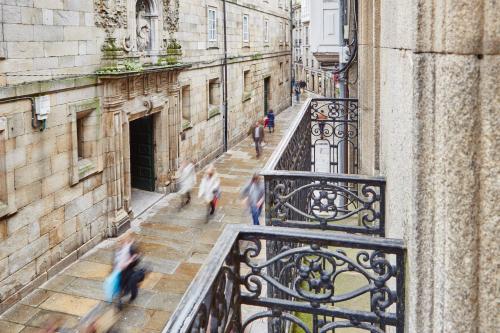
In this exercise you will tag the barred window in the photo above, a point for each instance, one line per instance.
(212, 25)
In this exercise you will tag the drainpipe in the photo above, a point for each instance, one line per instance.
(343, 163)
(224, 94)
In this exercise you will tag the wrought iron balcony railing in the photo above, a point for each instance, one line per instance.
(239, 274)
(311, 179)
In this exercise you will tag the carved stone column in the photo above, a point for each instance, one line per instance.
(114, 159)
(174, 122)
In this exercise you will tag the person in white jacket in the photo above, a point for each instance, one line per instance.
(209, 189)
(187, 180)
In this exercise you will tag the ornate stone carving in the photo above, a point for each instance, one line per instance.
(110, 15)
(143, 26)
(171, 15)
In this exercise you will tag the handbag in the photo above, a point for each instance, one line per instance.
(112, 285)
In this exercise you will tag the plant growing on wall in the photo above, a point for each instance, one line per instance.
(110, 16)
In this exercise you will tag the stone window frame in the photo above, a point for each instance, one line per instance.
(282, 28)
(7, 189)
(187, 123)
(281, 74)
(213, 40)
(82, 168)
(247, 85)
(213, 109)
(246, 33)
(266, 32)
(287, 39)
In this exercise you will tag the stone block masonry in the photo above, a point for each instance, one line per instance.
(61, 200)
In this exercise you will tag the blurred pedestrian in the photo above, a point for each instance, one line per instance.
(297, 93)
(253, 196)
(322, 118)
(210, 190)
(270, 121)
(257, 133)
(187, 180)
(127, 258)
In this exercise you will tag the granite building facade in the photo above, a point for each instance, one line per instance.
(100, 97)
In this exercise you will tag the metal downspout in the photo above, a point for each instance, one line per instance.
(225, 140)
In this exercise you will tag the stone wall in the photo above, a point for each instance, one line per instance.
(43, 39)
(54, 204)
(429, 97)
(53, 219)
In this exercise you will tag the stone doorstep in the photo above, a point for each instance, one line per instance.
(50, 273)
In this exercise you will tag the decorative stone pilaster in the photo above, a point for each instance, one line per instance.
(174, 122)
(114, 158)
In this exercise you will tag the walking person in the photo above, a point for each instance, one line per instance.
(270, 121)
(127, 258)
(187, 180)
(322, 118)
(210, 190)
(297, 93)
(257, 133)
(253, 195)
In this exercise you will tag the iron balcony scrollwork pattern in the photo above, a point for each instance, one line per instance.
(353, 204)
(317, 266)
(303, 185)
(334, 124)
(219, 311)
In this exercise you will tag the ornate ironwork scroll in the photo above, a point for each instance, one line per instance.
(338, 281)
(352, 203)
(334, 128)
(219, 312)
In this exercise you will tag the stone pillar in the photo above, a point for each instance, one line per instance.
(174, 122)
(429, 83)
(114, 157)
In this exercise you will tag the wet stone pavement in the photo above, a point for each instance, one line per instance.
(174, 243)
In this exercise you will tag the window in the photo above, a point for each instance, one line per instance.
(266, 31)
(280, 3)
(7, 191)
(186, 107)
(246, 33)
(286, 33)
(247, 86)
(286, 70)
(306, 31)
(213, 97)
(87, 152)
(85, 134)
(282, 73)
(282, 29)
(212, 25)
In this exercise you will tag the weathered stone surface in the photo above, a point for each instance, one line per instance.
(28, 253)
(63, 303)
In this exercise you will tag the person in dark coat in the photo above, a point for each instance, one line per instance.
(270, 121)
(126, 259)
(257, 133)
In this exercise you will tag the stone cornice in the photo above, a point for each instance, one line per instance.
(36, 88)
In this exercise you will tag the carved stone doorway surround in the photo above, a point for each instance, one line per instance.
(127, 97)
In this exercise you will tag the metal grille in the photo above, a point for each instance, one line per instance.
(238, 271)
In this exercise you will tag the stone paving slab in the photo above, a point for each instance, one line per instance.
(175, 244)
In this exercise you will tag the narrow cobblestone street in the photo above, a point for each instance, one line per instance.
(174, 243)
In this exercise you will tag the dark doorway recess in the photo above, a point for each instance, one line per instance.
(267, 87)
(142, 167)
